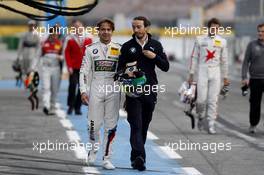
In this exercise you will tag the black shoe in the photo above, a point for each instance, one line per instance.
(69, 111)
(46, 111)
(139, 164)
(133, 164)
(78, 112)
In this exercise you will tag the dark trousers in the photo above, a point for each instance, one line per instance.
(139, 115)
(256, 90)
(74, 96)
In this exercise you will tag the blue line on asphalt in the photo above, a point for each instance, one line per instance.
(121, 147)
(9, 84)
(155, 164)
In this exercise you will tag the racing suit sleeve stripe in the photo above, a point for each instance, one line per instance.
(85, 73)
(194, 58)
(161, 60)
(246, 61)
(224, 61)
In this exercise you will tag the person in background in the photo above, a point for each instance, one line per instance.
(254, 64)
(209, 57)
(27, 49)
(61, 37)
(74, 49)
(50, 55)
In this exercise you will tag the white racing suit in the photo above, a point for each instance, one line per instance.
(50, 68)
(51, 80)
(27, 51)
(97, 71)
(209, 56)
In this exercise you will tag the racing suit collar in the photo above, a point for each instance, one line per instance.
(212, 36)
(104, 43)
(104, 47)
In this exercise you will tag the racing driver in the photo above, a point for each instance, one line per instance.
(209, 56)
(98, 68)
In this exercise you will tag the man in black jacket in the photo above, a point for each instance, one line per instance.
(147, 53)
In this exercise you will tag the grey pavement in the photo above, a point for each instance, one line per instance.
(171, 125)
(21, 129)
(7, 58)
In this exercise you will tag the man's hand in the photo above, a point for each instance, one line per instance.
(245, 82)
(190, 79)
(226, 82)
(85, 98)
(149, 54)
(131, 74)
(70, 70)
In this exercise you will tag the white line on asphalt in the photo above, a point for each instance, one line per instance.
(5, 168)
(187, 171)
(250, 139)
(191, 171)
(157, 150)
(90, 170)
(80, 152)
(167, 151)
(58, 105)
(2, 135)
(73, 136)
(151, 136)
(66, 123)
(178, 104)
(237, 145)
(237, 133)
(221, 126)
(261, 145)
(60, 113)
(122, 113)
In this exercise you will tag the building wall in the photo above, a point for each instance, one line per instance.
(247, 17)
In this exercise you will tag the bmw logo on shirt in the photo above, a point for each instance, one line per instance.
(132, 50)
(95, 51)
